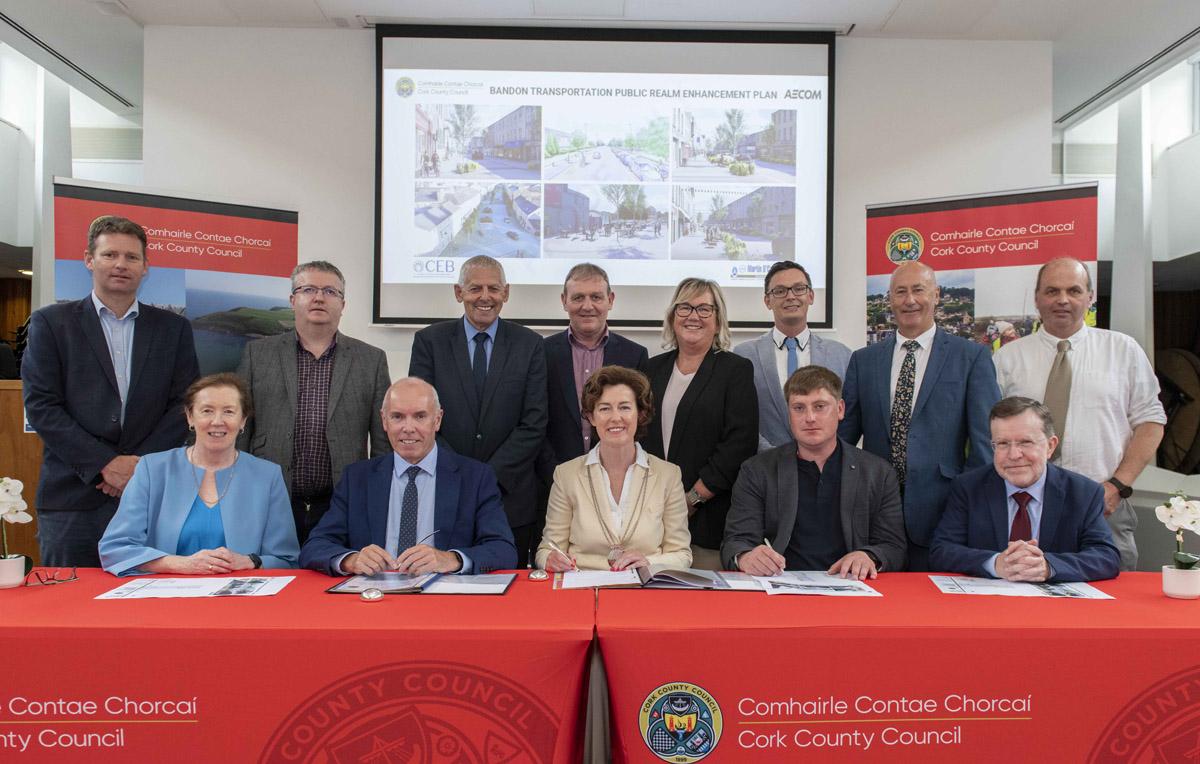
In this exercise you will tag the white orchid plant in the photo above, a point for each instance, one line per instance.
(12, 510)
(1179, 514)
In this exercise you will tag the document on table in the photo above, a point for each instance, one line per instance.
(588, 579)
(388, 582)
(484, 583)
(1000, 587)
(170, 588)
(815, 582)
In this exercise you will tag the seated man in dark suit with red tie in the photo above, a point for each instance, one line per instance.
(1023, 519)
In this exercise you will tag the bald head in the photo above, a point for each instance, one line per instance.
(1067, 263)
(412, 416)
(1063, 296)
(913, 292)
(413, 386)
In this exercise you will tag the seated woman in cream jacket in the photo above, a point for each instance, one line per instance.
(616, 507)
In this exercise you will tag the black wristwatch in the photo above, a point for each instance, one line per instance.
(256, 560)
(1123, 490)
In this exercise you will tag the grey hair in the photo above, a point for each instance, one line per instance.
(481, 261)
(437, 401)
(323, 266)
(1016, 405)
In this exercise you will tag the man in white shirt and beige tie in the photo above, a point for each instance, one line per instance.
(1100, 389)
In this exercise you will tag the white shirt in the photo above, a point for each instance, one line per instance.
(925, 339)
(803, 352)
(1113, 390)
(676, 387)
(618, 505)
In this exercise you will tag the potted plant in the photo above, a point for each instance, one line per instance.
(13, 567)
(1181, 580)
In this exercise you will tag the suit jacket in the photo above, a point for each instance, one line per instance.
(508, 430)
(468, 514)
(356, 388)
(949, 429)
(773, 427)
(71, 396)
(255, 512)
(655, 522)
(715, 430)
(564, 433)
(1073, 532)
(766, 495)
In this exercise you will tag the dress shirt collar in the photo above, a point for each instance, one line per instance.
(1076, 339)
(640, 458)
(471, 331)
(1036, 490)
(102, 309)
(328, 350)
(802, 339)
(428, 465)
(571, 338)
(924, 339)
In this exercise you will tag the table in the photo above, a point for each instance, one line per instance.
(915, 675)
(301, 676)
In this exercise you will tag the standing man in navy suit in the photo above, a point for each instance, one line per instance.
(385, 509)
(104, 379)
(921, 400)
(491, 377)
(1024, 519)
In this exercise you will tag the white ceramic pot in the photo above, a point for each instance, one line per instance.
(12, 571)
(1181, 584)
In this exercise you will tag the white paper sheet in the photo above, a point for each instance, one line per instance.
(1002, 588)
(587, 579)
(489, 583)
(170, 588)
(816, 582)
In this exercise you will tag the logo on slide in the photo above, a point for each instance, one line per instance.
(680, 722)
(405, 87)
(905, 244)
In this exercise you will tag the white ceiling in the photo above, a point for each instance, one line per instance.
(1095, 41)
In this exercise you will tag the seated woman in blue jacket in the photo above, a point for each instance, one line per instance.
(204, 509)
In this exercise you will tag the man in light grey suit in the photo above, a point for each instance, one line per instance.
(316, 393)
(789, 345)
(817, 502)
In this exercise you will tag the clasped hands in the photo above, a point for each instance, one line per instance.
(418, 559)
(1022, 561)
(115, 475)
(204, 562)
(762, 560)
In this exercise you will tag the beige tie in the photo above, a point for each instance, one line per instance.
(1058, 393)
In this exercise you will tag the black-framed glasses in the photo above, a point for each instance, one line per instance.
(685, 309)
(50, 577)
(311, 291)
(779, 292)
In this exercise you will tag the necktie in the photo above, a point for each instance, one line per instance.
(479, 363)
(902, 409)
(408, 512)
(793, 359)
(1058, 393)
(1022, 529)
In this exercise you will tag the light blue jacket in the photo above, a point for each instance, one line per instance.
(255, 511)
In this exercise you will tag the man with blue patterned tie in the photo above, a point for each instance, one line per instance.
(385, 509)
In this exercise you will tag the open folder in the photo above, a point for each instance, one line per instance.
(653, 577)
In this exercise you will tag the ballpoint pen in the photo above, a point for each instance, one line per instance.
(564, 554)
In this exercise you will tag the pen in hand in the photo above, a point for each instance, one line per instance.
(564, 554)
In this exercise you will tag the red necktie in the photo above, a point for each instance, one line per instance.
(1021, 528)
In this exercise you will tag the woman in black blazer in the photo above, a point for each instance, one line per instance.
(706, 410)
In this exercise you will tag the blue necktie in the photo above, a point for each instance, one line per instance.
(793, 359)
(408, 512)
(479, 364)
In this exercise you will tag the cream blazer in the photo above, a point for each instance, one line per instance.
(655, 523)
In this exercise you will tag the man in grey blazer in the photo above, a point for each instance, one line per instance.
(816, 503)
(789, 345)
(317, 395)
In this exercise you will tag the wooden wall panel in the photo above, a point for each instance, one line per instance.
(15, 301)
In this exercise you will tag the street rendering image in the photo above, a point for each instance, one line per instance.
(613, 222)
(734, 145)
(733, 222)
(468, 219)
(590, 145)
(469, 142)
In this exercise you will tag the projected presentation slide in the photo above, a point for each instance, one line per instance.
(656, 177)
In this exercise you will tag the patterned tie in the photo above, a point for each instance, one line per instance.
(479, 363)
(1022, 529)
(902, 409)
(793, 360)
(1058, 394)
(408, 512)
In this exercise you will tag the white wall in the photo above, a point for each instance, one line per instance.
(287, 117)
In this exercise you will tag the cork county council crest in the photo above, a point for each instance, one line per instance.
(680, 722)
(905, 244)
(405, 87)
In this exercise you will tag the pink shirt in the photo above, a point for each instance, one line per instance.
(585, 360)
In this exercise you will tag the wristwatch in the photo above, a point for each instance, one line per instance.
(256, 560)
(693, 498)
(1123, 490)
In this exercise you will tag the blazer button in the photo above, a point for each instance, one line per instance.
(113, 418)
(479, 436)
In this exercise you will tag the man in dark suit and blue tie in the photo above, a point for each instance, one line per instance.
(1025, 519)
(491, 378)
(385, 509)
(921, 400)
(104, 379)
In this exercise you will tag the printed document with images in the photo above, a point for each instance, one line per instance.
(816, 582)
(1000, 587)
(169, 588)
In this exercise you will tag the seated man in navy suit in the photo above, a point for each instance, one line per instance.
(385, 509)
(1024, 519)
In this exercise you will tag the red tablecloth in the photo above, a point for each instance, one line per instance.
(301, 676)
(915, 675)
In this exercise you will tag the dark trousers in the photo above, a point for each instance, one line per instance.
(918, 558)
(69, 538)
(307, 512)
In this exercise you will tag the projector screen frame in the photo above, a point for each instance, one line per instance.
(773, 37)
